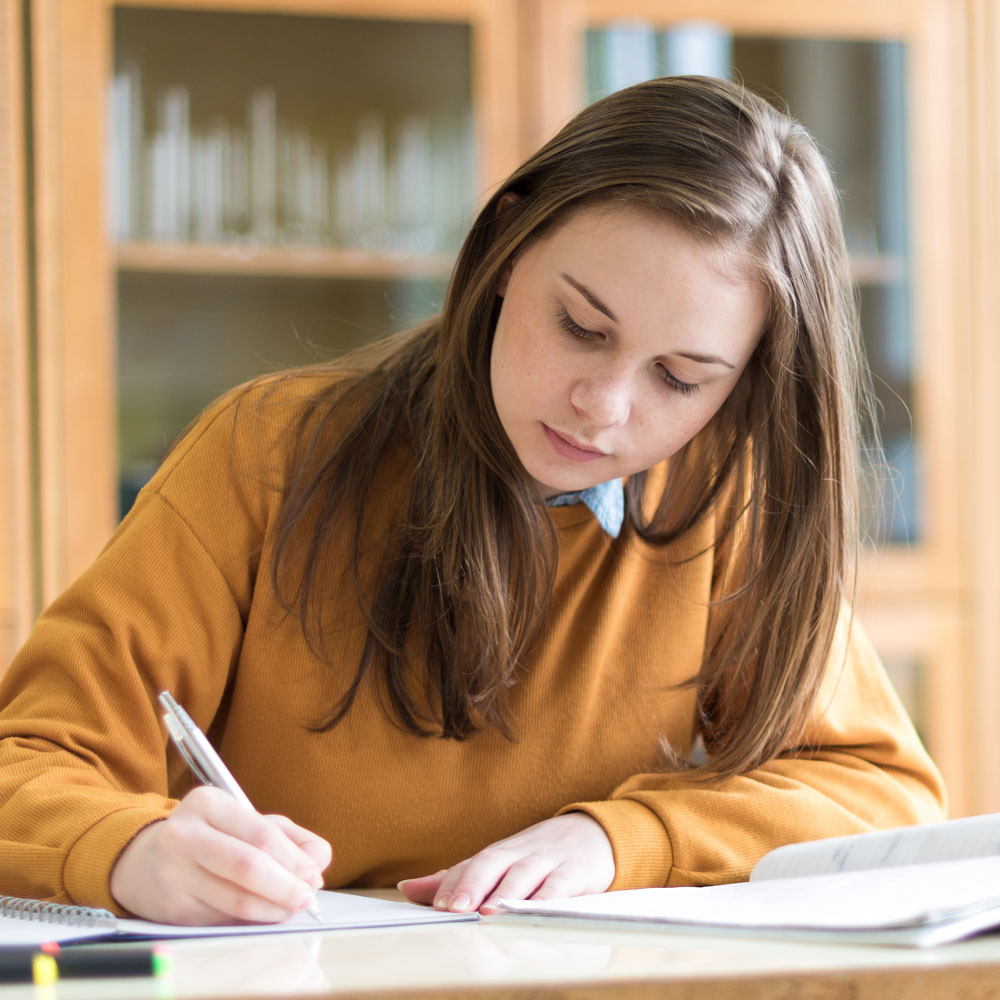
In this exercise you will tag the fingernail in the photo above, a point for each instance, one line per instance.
(441, 903)
(402, 882)
(460, 902)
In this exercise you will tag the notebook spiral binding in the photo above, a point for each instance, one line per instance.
(55, 913)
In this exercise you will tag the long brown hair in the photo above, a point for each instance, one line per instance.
(468, 572)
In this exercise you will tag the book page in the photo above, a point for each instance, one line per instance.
(863, 901)
(971, 837)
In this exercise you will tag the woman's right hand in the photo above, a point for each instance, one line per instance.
(214, 861)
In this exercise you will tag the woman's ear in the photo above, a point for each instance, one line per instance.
(507, 199)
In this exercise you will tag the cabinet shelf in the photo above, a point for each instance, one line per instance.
(333, 262)
(878, 269)
(278, 261)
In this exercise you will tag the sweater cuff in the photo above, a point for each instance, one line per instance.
(87, 875)
(643, 853)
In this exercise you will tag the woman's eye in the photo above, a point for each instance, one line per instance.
(684, 388)
(571, 326)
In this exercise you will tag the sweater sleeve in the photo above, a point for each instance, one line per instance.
(860, 766)
(83, 762)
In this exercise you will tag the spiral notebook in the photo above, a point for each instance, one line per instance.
(29, 921)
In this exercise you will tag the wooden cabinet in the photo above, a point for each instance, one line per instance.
(145, 298)
(151, 298)
(297, 200)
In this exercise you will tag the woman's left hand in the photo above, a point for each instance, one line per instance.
(567, 855)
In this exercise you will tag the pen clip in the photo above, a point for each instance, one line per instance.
(179, 736)
(173, 708)
(200, 755)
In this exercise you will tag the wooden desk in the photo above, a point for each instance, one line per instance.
(497, 959)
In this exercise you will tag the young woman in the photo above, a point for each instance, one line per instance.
(547, 596)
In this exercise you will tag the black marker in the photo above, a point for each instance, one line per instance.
(48, 963)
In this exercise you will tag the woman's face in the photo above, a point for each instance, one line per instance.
(618, 339)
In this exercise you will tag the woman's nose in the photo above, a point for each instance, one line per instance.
(604, 400)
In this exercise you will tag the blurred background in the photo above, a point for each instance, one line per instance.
(195, 192)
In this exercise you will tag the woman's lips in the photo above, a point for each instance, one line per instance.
(569, 448)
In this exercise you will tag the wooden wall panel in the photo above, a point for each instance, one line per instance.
(76, 359)
(16, 590)
(981, 349)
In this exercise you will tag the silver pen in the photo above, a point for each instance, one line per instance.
(203, 760)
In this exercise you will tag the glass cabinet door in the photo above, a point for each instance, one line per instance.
(229, 186)
(851, 95)
(298, 198)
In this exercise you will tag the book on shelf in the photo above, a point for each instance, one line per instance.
(919, 886)
(31, 921)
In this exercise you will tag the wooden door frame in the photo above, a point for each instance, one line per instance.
(975, 40)
(75, 341)
(17, 590)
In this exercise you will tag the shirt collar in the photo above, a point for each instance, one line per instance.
(606, 501)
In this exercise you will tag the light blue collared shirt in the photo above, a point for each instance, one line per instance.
(606, 500)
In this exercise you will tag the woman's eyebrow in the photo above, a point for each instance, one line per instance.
(705, 359)
(589, 296)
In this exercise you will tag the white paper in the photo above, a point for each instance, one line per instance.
(19, 931)
(339, 910)
(897, 897)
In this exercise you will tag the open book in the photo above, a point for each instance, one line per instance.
(918, 885)
(29, 922)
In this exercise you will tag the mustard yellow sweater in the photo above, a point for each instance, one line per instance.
(180, 599)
